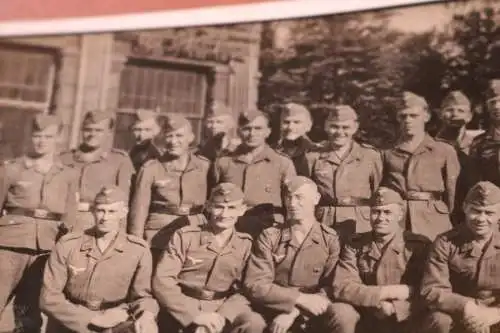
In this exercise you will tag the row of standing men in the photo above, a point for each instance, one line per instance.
(172, 182)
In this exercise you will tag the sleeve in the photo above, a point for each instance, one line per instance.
(236, 303)
(165, 284)
(436, 287)
(52, 299)
(402, 309)
(310, 160)
(451, 173)
(259, 280)
(328, 274)
(4, 186)
(126, 172)
(377, 172)
(349, 287)
(139, 207)
(140, 292)
(71, 205)
(288, 169)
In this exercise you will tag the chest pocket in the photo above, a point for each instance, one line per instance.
(463, 267)
(323, 172)
(21, 188)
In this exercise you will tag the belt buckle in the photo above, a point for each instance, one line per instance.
(184, 209)
(83, 206)
(94, 304)
(40, 213)
(207, 294)
(345, 200)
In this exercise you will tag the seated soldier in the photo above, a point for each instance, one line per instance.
(378, 270)
(197, 277)
(291, 267)
(460, 283)
(100, 280)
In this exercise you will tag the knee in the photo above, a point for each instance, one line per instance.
(342, 317)
(437, 322)
(248, 322)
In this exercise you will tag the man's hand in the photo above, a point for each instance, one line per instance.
(110, 318)
(146, 323)
(474, 320)
(283, 322)
(213, 321)
(312, 303)
(385, 310)
(396, 292)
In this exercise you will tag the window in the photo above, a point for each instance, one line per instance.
(26, 78)
(170, 88)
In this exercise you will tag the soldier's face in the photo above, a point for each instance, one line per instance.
(145, 130)
(413, 120)
(294, 126)
(300, 205)
(45, 141)
(95, 134)
(340, 133)
(218, 124)
(493, 106)
(456, 115)
(482, 220)
(385, 219)
(108, 217)
(177, 142)
(255, 133)
(224, 215)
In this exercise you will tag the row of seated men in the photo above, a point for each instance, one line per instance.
(45, 194)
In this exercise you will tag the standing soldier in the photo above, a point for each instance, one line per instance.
(258, 170)
(219, 125)
(100, 278)
(346, 172)
(170, 191)
(460, 283)
(96, 164)
(486, 147)
(296, 122)
(37, 195)
(422, 169)
(197, 279)
(290, 271)
(455, 114)
(145, 129)
(379, 271)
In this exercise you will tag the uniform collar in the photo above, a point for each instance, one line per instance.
(265, 154)
(300, 145)
(207, 237)
(193, 162)
(312, 237)
(30, 163)
(353, 154)
(98, 154)
(89, 243)
(427, 144)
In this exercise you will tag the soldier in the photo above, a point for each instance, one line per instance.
(296, 122)
(100, 278)
(378, 271)
(346, 172)
(198, 277)
(96, 164)
(485, 147)
(145, 129)
(219, 125)
(37, 193)
(422, 169)
(455, 114)
(460, 283)
(290, 270)
(170, 192)
(258, 170)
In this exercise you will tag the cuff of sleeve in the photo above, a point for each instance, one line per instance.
(402, 310)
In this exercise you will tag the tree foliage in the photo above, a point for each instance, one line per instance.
(359, 60)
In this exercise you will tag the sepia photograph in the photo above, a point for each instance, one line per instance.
(332, 173)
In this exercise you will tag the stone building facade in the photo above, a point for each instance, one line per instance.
(173, 70)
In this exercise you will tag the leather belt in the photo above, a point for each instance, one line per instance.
(37, 213)
(84, 206)
(422, 196)
(181, 210)
(309, 290)
(99, 305)
(346, 202)
(204, 294)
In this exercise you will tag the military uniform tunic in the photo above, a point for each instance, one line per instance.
(80, 280)
(260, 178)
(364, 266)
(196, 275)
(485, 155)
(141, 153)
(166, 195)
(427, 180)
(296, 150)
(95, 170)
(346, 186)
(213, 147)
